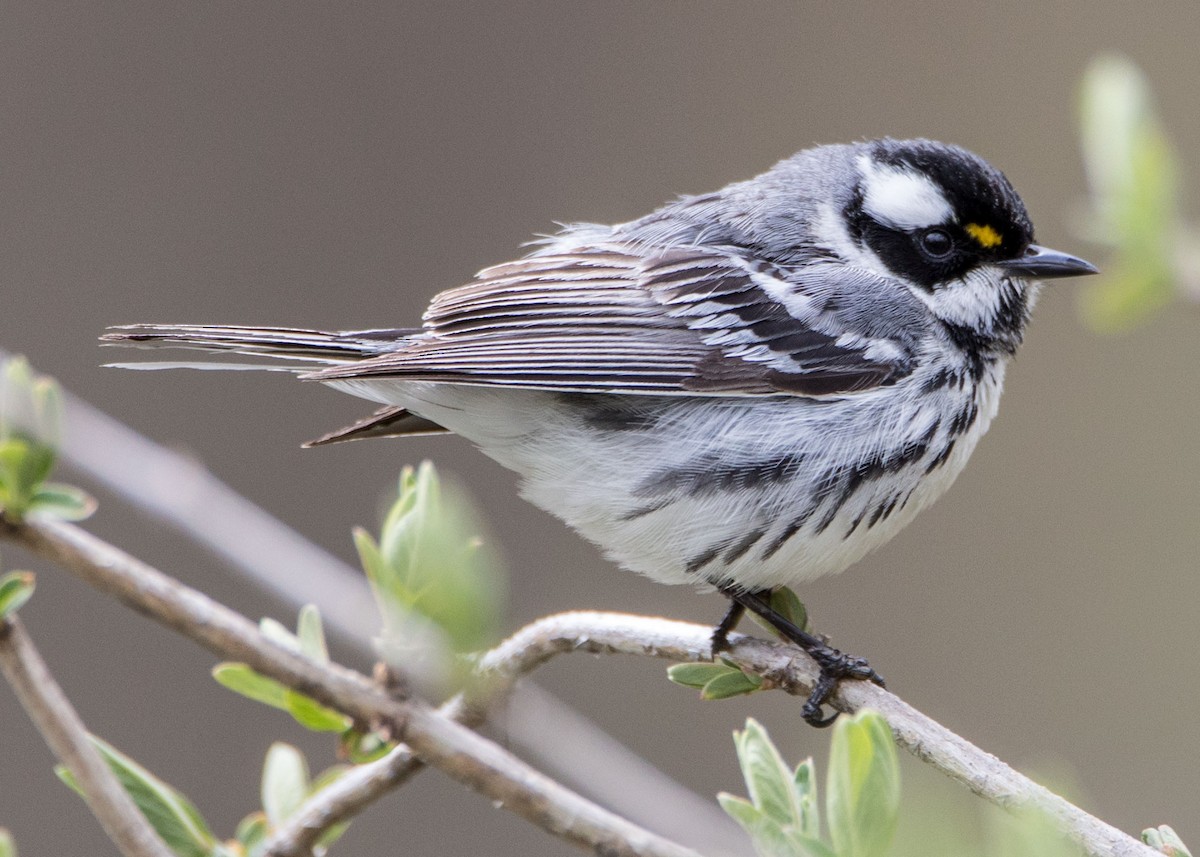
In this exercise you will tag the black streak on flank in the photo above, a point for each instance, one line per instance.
(609, 413)
(964, 419)
(941, 457)
(642, 511)
(739, 549)
(940, 380)
(700, 560)
(788, 531)
(869, 469)
(706, 476)
(883, 510)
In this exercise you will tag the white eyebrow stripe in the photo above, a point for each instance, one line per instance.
(900, 198)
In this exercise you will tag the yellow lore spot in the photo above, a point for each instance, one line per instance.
(986, 236)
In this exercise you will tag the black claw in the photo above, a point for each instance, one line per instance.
(812, 716)
(835, 665)
(826, 684)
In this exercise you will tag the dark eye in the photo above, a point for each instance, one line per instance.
(936, 243)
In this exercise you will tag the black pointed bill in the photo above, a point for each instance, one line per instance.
(1044, 264)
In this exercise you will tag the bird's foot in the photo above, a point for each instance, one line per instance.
(835, 666)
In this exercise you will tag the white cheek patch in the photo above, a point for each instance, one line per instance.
(901, 199)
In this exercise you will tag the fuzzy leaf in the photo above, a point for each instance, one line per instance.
(359, 748)
(429, 562)
(804, 786)
(715, 680)
(314, 716)
(733, 683)
(16, 587)
(311, 634)
(8, 848)
(1133, 172)
(863, 788)
(63, 502)
(771, 839)
(697, 675)
(241, 679)
(277, 632)
(786, 603)
(1166, 840)
(172, 816)
(24, 464)
(309, 713)
(768, 779)
(252, 832)
(284, 782)
(765, 832)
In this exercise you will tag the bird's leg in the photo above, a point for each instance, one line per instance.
(835, 665)
(720, 634)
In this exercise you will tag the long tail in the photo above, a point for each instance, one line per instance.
(307, 350)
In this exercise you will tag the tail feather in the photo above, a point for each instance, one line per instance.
(386, 422)
(312, 349)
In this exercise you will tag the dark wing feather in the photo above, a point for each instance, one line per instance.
(699, 321)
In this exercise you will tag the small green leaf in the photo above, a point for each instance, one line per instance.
(369, 556)
(734, 683)
(314, 716)
(429, 561)
(715, 680)
(24, 464)
(804, 786)
(8, 848)
(697, 675)
(863, 786)
(360, 748)
(243, 680)
(1166, 840)
(16, 587)
(284, 782)
(770, 838)
(1133, 172)
(312, 634)
(309, 713)
(171, 815)
(765, 832)
(767, 777)
(63, 502)
(277, 632)
(787, 604)
(806, 846)
(252, 832)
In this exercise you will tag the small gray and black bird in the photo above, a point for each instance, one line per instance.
(745, 389)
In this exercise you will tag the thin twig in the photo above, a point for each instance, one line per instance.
(619, 633)
(486, 767)
(440, 742)
(785, 667)
(60, 726)
(340, 801)
(179, 491)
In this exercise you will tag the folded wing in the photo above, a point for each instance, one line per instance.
(681, 321)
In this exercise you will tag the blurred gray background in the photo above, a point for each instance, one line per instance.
(335, 166)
